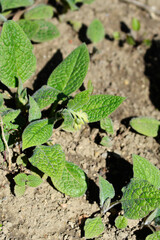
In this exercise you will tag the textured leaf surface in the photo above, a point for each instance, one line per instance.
(69, 74)
(19, 190)
(46, 31)
(79, 100)
(146, 126)
(20, 179)
(10, 115)
(66, 177)
(139, 199)
(154, 236)
(106, 141)
(93, 227)
(121, 222)
(9, 4)
(67, 124)
(41, 11)
(145, 170)
(36, 133)
(29, 27)
(34, 110)
(34, 180)
(95, 31)
(107, 125)
(16, 57)
(100, 106)
(45, 96)
(106, 190)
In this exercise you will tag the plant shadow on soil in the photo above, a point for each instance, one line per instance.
(152, 71)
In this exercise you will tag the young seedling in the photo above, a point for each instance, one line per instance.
(141, 199)
(30, 124)
(107, 125)
(34, 21)
(95, 31)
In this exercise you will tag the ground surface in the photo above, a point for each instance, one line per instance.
(44, 213)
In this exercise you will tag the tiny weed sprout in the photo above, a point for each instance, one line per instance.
(31, 128)
(33, 19)
(95, 31)
(140, 199)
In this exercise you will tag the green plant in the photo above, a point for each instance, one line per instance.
(73, 3)
(33, 19)
(146, 126)
(28, 123)
(133, 37)
(95, 31)
(141, 199)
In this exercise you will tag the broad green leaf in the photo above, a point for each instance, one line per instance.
(139, 199)
(10, 4)
(29, 27)
(16, 57)
(146, 126)
(95, 31)
(66, 177)
(121, 222)
(106, 190)
(136, 24)
(10, 115)
(34, 180)
(100, 106)
(20, 179)
(45, 96)
(41, 11)
(34, 110)
(19, 190)
(153, 236)
(145, 170)
(69, 74)
(93, 227)
(36, 133)
(107, 125)
(67, 124)
(46, 31)
(79, 100)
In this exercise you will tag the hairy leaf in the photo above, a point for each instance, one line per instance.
(46, 31)
(34, 110)
(139, 199)
(19, 190)
(106, 190)
(41, 11)
(36, 133)
(79, 100)
(34, 180)
(153, 236)
(9, 4)
(66, 177)
(69, 74)
(29, 27)
(100, 106)
(146, 126)
(93, 227)
(121, 222)
(16, 57)
(20, 179)
(107, 125)
(10, 115)
(145, 170)
(95, 31)
(67, 124)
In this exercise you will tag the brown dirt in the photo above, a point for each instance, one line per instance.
(44, 213)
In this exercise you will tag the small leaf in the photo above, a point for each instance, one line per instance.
(19, 190)
(34, 111)
(22, 160)
(10, 4)
(153, 236)
(121, 222)
(100, 106)
(16, 57)
(34, 180)
(146, 126)
(93, 227)
(145, 170)
(106, 190)
(90, 87)
(67, 177)
(79, 100)
(69, 74)
(36, 133)
(106, 141)
(130, 40)
(107, 125)
(136, 24)
(95, 31)
(139, 199)
(10, 115)
(20, 179)
(41, 11)
(116, 35)
(72, 5)
(45, 96)
(29, 27)
(46, 31)
(67, 124)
